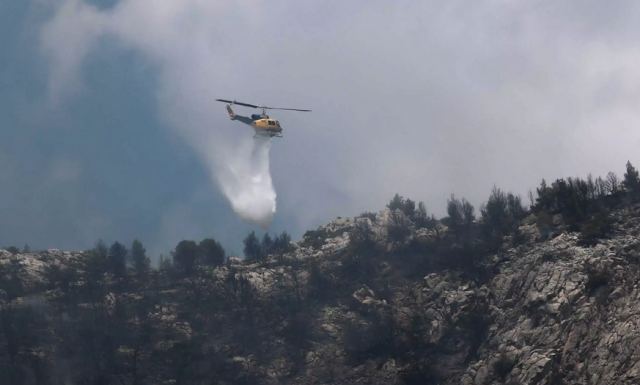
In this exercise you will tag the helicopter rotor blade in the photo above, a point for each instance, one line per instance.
(238, 103)
(262, 107)
(287, 109)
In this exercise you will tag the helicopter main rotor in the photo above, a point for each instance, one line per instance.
(263, 108)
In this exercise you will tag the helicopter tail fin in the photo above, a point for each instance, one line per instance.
(232, 114)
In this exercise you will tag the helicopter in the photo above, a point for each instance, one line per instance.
(262, 124)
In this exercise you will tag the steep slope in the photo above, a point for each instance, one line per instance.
(352, 303)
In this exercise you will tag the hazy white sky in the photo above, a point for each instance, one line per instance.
(421, 98)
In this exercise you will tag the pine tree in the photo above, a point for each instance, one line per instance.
(396, 203)
(420, 217)
(96, 263)
(453, 211)
(613, 184)
(184, 257)
(165, 265)
(117, 259)
(267, 245)
(631, 181)
(409, 208)
(139, 259)
(252, 248)
(211, 252)
(501, 215)
(461, 216)
(282, 243)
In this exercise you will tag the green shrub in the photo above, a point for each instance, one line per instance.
(13, 250)
(599, 226)
(371, 336)
(314, 238)
(399, 227)
(501, 215)
(460, 214)
(502, 366)
(544, 223)
(362, 238)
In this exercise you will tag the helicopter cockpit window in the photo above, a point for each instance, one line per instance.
(271, 123)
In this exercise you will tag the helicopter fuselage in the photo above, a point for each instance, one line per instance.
(262, 124)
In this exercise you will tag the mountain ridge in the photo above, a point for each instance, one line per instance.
(351, 303)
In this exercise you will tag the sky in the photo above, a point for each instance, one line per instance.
(109, 128)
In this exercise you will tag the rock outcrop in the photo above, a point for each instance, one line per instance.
(541, 312)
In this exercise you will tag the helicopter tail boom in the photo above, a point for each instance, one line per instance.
(232, 114)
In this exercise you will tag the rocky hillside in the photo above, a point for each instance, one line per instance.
(375, 299)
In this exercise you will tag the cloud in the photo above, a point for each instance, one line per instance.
(177, 37)
(66, 40)
(65, 170)
(422, 98)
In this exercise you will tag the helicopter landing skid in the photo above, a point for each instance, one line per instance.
(255, 136)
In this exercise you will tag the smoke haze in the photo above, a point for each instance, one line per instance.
(182, 50)
(422, 98)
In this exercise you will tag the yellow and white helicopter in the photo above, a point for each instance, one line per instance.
(261, 123)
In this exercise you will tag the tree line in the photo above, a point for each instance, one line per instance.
(576, 204)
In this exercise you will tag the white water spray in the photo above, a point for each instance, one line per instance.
(245, 180)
